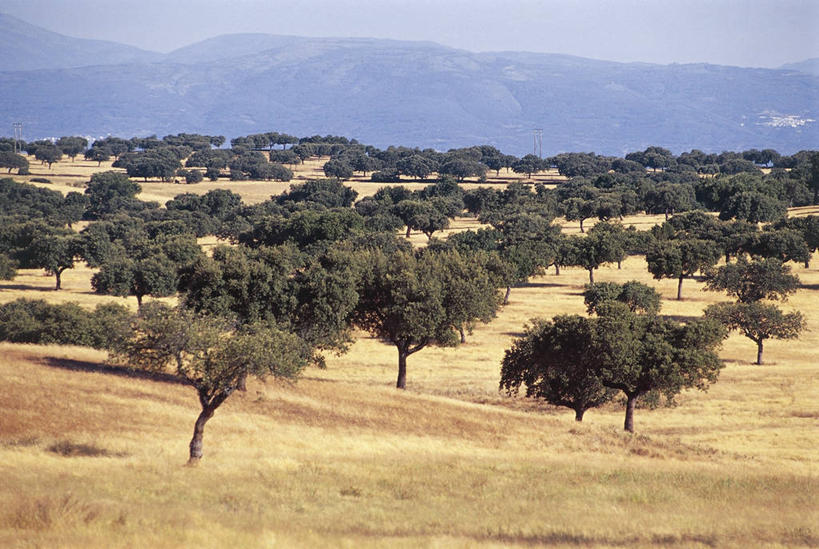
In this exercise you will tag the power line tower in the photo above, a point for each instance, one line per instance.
(18, 134)
(537, 142)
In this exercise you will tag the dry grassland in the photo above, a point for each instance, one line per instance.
(91, 456)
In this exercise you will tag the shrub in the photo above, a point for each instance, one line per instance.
(385, 177)
(36, 321)
(193, 176)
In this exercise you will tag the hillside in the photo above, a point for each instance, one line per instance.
(92, 455)
(416, 93)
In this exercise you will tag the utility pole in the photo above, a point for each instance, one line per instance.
(537, 142)
(18, 134)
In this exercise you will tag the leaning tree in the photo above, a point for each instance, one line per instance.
(210, 354)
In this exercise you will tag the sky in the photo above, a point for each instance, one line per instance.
(748, 33)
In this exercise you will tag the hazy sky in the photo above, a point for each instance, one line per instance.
(758, 33)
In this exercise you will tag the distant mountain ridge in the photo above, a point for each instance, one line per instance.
(28, 47)
(387, 92)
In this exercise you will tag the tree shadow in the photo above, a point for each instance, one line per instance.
(809, 286)
(25, 287)
(539, 285)
(121, 371)
(514, 334)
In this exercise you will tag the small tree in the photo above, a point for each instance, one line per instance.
(48, 154)
(681, 259)
(637, 296)
(53, 252)
(403, 300)
(758, 322)
(558, 362)
(754, 280)
(12, 161)
(208, 354)
(155, 276)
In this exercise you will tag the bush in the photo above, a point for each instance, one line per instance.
(193, 176)
(385, 177)
(212, 173)
(36, 321)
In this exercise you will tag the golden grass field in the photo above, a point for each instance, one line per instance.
(93, 457)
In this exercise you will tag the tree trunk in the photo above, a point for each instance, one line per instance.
(557, 269)
(629, 424)
(506, 297)
(58, 275)
(408, 231)
(402, 370)
(578, 415)
(581, 226)
(198, 432)
(591, 277)
(241, 384)
(619, 264)
(759, 352)
(463, 335)
(139, 301)
(666, 214)
(679, 289)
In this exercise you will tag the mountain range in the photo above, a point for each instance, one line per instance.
(386, 92)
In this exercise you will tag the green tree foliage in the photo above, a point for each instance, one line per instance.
(12, 161)
(460, 169)
(638, 297)
(72, 146)
(783, 244)
(470, 289)
(330, 193)
(757, 321)
(338, 169)
(110, 192)
(159, 162)
(573, 361)
(557, 361)
(529, 164)
(650, 353)
(681, 259)
(53, 252)
(754, 207)
(37, 321)
(754, 280)
(48, 153)
(668, 198)
(210, 355)
(8, 267)
(311, 296)
(808, 226)
(122, 276)
(22, 202)
(602, 245)
(304, 228)
(407, 301)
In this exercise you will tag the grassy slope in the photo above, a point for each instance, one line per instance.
(342, 459)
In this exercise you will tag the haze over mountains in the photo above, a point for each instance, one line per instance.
(385, 92)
